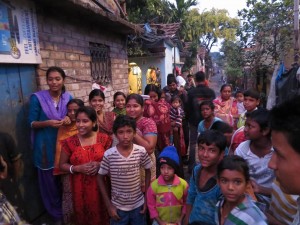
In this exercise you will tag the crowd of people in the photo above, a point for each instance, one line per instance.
(127, 166)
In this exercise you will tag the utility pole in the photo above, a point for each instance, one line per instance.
(296, 31)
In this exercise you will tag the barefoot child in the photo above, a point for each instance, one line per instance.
(166, 196)
(236, 207)
(123, 163)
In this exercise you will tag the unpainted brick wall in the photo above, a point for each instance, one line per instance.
(65, 43)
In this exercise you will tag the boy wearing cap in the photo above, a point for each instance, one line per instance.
(166, 196)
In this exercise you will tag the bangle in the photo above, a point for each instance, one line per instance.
(71, 169)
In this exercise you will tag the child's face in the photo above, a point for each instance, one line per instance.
(252, 130)
(153, 96)
(84, 124)
(206, 111)
(120, 102)
(209, 155)
(125, 135)
(167, 173)
(97, 103)
(72, 108)
(239, 97)
(134, 109)
(250, 103)
(172, 87)
(233, 185)
(176, 103)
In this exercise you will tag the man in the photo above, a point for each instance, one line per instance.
(195, 96)
(285, 126)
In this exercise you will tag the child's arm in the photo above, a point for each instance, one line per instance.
(147, 184)
(260, 189)
(112, 210)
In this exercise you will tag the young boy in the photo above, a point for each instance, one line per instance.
(235, 207)
(123, 163)
(204, 191)
(251, 101)
(166, 196)
(258, 150)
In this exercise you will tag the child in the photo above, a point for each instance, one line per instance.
(119, 103)
(258, 150)
(251, 101)
(123, 163)
(176, 116)
(204, 191)
(207, 111)
(239, 96)
(166, 196)
(236, 207)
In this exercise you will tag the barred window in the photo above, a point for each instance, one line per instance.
(100, 63)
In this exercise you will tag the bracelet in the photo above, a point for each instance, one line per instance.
(71, 169)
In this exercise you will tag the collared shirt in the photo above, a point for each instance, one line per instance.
(258, 166)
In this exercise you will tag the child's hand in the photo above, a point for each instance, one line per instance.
(143, 211)
(66, 120)
(255, 186)
(112, 211)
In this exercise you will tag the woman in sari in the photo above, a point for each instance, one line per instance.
(81, 156)
(48, 112)
(63, 133)
(226, 106)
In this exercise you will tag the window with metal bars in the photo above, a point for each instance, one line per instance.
(100, 63)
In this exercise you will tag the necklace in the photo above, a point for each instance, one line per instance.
(89, 144)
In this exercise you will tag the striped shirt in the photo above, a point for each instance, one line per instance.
(246, 213)
(126, 193)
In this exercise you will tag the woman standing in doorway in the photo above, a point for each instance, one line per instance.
(48, 112)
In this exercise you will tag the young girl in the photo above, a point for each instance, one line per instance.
(239, 96)
(236, 207)
(119, 103)
(176, 116)
(166, 196)
(207, 111)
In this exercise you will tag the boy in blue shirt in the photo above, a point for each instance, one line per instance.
(204, 191)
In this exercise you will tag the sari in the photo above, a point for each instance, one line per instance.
(88, 203)
(226, 110)
(119, 112)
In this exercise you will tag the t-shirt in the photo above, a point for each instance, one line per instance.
(202, 128)
(297, 217)
(126, 193)
(258, 167)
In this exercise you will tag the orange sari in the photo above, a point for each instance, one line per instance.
(226, 110)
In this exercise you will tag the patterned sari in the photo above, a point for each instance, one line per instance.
(226, 110)
(87, 200)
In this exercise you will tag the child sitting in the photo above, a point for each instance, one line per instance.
(176, 116)
(123, 163)
(204, 191)
(258, 150)
(235, 207)
(166, 196)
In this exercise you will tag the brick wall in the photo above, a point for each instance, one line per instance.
(64, 42)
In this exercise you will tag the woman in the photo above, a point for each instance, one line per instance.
(146, 134)
(81, 156)
(63, 133)
(158, 109)
(48, 110)
(105, 120)
(226, 106)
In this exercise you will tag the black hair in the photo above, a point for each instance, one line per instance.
(209, 137)
(210, 104)
(77, 101)
(252, 93)
(238, 92)
(224, 86)
(91, 114)
(60, 71)
(176, 97)
(260, 116)
(222, 127)
(200, 76)
(171, 80)
(119, 93)
(285, 118)
(139, 99)
(96, 92)
(154, 88)
(122, 121)
(234, 162)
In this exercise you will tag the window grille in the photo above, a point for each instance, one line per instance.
(100, 63)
